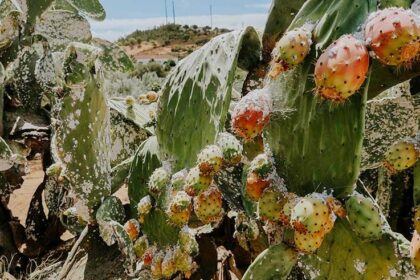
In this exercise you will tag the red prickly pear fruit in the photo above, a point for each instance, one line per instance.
(208, 205)
(393, 35)
(341, 69)
(148, 256)
(179, 209)
(401, 156)
(291, 50)
(415, 251)
(210, 160)
(255, 185)
(251, 114)
(309, 242)
(132, 228)
(196, 183)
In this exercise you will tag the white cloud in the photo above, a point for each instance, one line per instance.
(112, 29)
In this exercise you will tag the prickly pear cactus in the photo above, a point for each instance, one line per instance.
(82, 139)
(202, 80)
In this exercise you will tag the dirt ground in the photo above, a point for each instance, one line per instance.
(20, 199)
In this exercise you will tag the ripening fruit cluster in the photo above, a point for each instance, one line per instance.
(392, 35)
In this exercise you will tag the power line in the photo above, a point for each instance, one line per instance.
(211, 16)
(173, 9)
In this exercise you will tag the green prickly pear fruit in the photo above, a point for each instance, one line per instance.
(341, 69)
(309, 242)
(393, 35)
(336, 207)
(156, 266)
(291, 50)
(415, 251)
(132, 228)
(231, 147)
(196, 183)
(168, 264)
(251, 114)
(183, 261)
(255, 185)
(130, 101)
(143, 207)
(271, 204)
(401, 156)
(208, 205)
(210, 160)
(364, 217)
(140, 246)
(262, 165)
(311, 214)
(178, 180)
(179, 209)
(158, 181)
(187, 241)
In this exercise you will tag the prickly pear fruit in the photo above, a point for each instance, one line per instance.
(143, 207)
(262, 165)
(271, 204)
(309, 242)
(286, 213)
(183, 261)
(156, 266)
(140, 246)
(179, 209)
(364, 217)
(417, 219)
(251, 114)
(210, 160)
(178, 180)
(168, 264)
(148, 255)
(311, 214)
(130, 101)
(187, 241)
(255, 185)
(231, 148)
(132, 228)
(152, 96)
(415, 251)
(195, 182)
(336, 207)
(208, 205)
(393, 35)
(401, 156)
(341, 70)
(291, 50)
(158, 181)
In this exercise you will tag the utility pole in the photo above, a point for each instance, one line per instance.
(211, 16)
(173, 9)
(166, 11)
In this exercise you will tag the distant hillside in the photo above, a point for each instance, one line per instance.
(170, 41)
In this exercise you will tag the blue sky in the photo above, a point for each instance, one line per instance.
(125, 16)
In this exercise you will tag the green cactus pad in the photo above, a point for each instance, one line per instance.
(63, 27)
(343, 254)
(308, 135)
(6, 160)
(90, 8)
(83, 145)
(111, 210)
(202, 80)
(275, 262)
(144, 163)
(113, 57)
